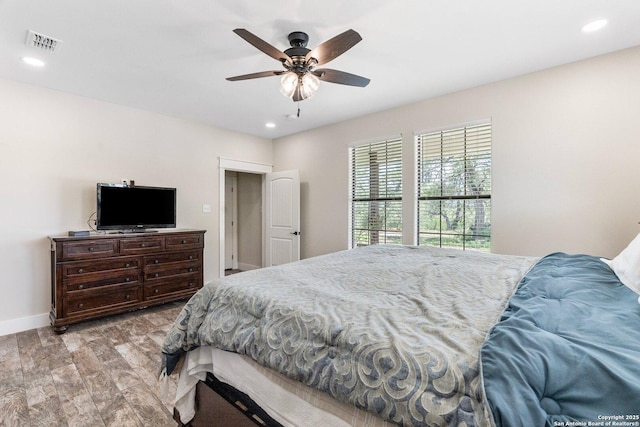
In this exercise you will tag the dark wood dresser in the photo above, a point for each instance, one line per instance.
(105, 274)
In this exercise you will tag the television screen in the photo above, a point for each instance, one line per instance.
(123, 207)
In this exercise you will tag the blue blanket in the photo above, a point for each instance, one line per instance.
(567, 349)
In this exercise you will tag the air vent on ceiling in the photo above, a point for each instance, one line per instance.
(42, 42)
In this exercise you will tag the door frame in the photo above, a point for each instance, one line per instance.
(224, 165)
(231, 179)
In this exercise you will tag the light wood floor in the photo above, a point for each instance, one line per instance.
(99, 373)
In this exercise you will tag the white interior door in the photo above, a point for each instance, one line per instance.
(282, 217)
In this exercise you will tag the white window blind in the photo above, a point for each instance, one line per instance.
(376, 193)
(454, 188)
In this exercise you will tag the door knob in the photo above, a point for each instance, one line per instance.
(295, 233)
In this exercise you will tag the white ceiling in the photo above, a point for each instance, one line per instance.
(172, 56)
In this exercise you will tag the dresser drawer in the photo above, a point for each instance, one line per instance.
(160, 271)
(184, 241)
(89, 249)
(81, 268)
(110, 298)
(141, 245)
(99, 279)
(171, 257)
(183, 285)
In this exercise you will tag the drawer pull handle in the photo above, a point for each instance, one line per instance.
(156, 275)
(191, 284)
(156, 290)
(81, 287)
(90, 249)
(126, 279)
(190, 256)
(184, 241)
(126, 265)
(127, 297)
(81, 270)
(142, 245)
(190, 269)
(80, 305)
(155, 261)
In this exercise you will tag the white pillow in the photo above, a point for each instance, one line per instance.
(627, 265)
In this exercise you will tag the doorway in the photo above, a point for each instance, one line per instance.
(279, 213)
(229, 165)
(243, 221)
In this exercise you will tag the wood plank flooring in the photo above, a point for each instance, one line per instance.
(99, 373)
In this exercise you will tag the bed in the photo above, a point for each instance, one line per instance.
(404, 335)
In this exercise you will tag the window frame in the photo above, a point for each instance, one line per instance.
(486, 194)
(385, 235)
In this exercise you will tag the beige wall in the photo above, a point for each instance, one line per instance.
(55, 147)
(565, 158)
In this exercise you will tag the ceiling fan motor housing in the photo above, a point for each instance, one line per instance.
(298, 39)
(298, 50)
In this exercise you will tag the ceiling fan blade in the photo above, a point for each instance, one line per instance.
(262, 45)
(334, 47)
(256, 75)
(340, 77)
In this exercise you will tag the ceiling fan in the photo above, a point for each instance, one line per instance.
(300, 77)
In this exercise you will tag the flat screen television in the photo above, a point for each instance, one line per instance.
(135, 208)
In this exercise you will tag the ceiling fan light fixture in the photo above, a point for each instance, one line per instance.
(299, 87)
(288, 84)
(309, 84)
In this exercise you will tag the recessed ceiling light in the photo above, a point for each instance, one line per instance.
(594, 26)
(32, 61)
(270, 125)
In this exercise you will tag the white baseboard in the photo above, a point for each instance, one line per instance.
(245, 267)
(13, 326)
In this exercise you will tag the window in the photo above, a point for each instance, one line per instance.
(454, 188)
(376, 193)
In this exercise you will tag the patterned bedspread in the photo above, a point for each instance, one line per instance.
(395, 330)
